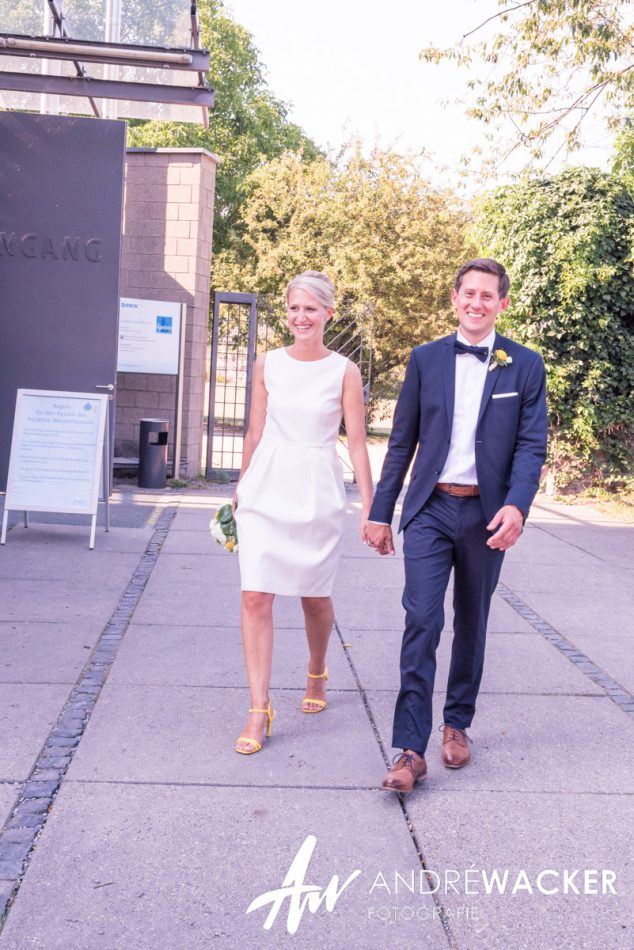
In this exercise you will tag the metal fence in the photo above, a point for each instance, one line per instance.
(245, 325)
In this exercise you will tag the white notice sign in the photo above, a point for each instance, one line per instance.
(59, 451)
(149, 336)
(56, 451)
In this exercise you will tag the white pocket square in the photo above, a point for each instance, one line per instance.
(503, 395)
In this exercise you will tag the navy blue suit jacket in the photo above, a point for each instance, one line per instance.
(510, 435)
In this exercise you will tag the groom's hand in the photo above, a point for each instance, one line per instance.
(379, 537)
(508, 524)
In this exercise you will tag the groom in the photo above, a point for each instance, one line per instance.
(473, 409)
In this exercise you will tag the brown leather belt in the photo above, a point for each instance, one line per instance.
(462, 491)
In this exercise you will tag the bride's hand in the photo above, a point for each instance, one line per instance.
(364, 524)
(234, 502)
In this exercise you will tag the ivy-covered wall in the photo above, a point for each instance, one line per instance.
(568, 243)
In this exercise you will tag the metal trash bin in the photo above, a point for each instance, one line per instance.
(153, 453)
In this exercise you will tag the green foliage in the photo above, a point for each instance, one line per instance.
(377, 228)
(247, 126)
(624, 156)
(550, 64)
(568, 243)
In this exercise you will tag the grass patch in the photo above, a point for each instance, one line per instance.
(616, 504)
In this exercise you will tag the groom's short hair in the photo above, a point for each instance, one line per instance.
(488, 266)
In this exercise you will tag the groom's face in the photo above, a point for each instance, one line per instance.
(478, 304)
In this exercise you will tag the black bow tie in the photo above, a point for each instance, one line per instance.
(480, 351)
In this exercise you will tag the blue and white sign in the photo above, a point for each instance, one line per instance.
(164, 324)
(149, 336)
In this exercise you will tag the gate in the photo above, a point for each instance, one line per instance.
(233, 350)
(245, 325)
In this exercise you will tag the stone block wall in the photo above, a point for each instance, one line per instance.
(166, 255)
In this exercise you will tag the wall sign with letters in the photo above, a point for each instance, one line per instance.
(42, 246)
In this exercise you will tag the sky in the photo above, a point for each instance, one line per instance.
(352, 67)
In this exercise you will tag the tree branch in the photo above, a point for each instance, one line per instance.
(517, 6)
(581, 100)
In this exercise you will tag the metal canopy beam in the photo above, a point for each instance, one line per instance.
(59, 26)
(119, 54)
(108, 89)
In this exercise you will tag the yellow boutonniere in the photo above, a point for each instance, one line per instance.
(499, 358)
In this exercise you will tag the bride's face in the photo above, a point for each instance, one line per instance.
(306, 316)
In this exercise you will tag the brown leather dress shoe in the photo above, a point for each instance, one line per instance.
(455, 747)
(408, 769)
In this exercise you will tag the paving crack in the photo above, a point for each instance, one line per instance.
(552, 534)
(443, 915)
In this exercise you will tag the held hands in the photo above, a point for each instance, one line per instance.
(508, 524)
(379, 537)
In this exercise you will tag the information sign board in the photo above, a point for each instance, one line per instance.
(149, 336)
(58, 455)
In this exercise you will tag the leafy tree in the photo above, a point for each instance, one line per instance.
(248, 125)
(373, 224)
(568, 243)
(551, 63)
(624, 156)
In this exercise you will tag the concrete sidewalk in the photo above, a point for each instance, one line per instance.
(129, 822)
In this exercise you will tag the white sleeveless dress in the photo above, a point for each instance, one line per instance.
(291, 499)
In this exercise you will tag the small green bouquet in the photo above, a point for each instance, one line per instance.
(223, 528)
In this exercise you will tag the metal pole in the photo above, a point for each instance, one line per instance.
(195, 42)
(370, 352)
(106, 464)
(251, 356)
(178, 409)
(49, 104)
(58, 20)
(211, 412)
(112, 34)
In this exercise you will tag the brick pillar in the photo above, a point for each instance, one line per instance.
(166, 255)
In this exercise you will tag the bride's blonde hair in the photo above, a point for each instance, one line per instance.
(315, 283)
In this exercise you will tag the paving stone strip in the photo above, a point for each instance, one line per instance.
(452, 942)
(24, 826)
(614, 690)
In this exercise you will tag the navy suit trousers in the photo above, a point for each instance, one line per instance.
(449, 532)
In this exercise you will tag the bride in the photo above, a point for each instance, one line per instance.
(290, 500)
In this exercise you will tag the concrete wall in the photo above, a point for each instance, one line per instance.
(166, 255)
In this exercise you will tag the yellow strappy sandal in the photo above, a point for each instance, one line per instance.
(320, 703)
(254, 745)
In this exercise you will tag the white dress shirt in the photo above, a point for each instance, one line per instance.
(471, 373)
